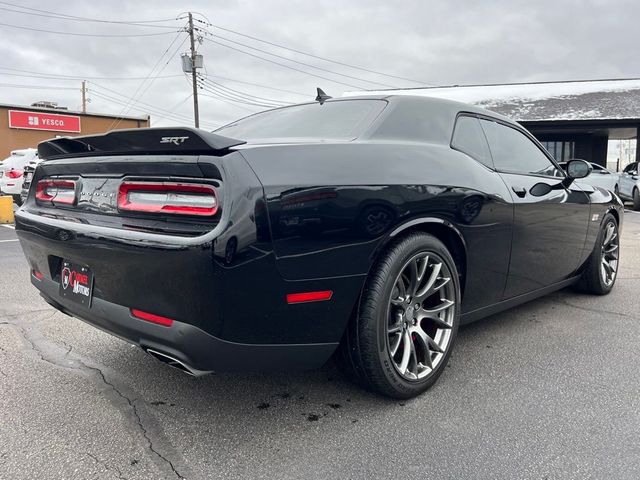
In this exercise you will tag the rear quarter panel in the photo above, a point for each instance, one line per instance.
(333, 207)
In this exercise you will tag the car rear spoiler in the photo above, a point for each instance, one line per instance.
(138, 141)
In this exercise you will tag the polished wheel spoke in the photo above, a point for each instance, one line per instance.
(421, 316)
(393, 345)
(406, 352)
(609, 255)
(400, 292)
(428, 289)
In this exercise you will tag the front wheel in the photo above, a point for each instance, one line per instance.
(602, 268)
(401, 339)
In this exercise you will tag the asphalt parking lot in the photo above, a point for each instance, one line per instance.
(544, 391)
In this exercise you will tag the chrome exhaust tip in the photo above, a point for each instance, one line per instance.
(175, 363)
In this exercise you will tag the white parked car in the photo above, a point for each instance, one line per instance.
(630, 185)
(29, 170)
(12, 172)
(600, 177)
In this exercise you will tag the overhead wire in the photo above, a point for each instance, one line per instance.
(222, 94)
(337, 62)
(241, 94)
(308, 65)
(62, 16)
(157, 110)
(284, 65)
(72, 77)
(38, 87)
(178, 118)
(78, 34)
(151, 72)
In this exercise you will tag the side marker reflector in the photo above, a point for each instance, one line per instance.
(37, 274)
(309, 296)
(150, 317)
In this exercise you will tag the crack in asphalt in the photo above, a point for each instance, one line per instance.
(131, 403)
(593, 310)
(107, 467)
(134, 409)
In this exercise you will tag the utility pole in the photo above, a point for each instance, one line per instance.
(194, 77)
(84, 96)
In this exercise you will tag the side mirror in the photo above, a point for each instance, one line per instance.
(578, 169)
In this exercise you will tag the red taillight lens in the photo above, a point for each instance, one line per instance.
(150, 317)
(168, 197)
(14, 174)
(309, 296)
(56, 191)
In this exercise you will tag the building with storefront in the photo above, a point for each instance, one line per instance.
(574, 119)
(24, 127)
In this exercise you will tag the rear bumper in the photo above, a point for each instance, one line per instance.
(200, 351)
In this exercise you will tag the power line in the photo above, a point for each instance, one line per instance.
(215, 97)
(72, 77)
(173, 118)
(313, 55)
(110, 35)
(235, 99)
(244, 94)
(259, 85)
(37, 87)
(125, 98)
(285, 66)
(155, 110)
(59, 17)
(152, 71)
(298, 62)
(63, 16)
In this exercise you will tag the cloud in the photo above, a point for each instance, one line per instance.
(437, 42)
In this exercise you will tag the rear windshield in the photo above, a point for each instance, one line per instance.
(333, 120)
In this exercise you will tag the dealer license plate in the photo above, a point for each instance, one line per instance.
(76, 283)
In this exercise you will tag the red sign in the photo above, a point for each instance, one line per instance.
(44, 121)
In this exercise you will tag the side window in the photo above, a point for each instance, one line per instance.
(469, 138)
(514, 152)
(632, 167)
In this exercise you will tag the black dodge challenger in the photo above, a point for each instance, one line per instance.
(368, 227)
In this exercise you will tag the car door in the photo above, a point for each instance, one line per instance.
(626, 179)
(550, 221)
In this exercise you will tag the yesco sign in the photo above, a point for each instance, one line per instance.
(44, 121)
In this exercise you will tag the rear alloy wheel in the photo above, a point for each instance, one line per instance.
(636, 199)
(602, 269)
(401, 340)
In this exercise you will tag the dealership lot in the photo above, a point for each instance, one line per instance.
(547, 390)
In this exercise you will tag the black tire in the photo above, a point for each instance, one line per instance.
(592, 279)
(636, 199)
(365, 350)
(17, 200)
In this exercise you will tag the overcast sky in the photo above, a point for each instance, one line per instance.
(431, 41)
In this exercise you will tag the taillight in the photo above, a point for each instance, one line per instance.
(168, 197)
(14, 174)
(56, 191)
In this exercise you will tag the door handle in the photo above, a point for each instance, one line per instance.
(519, 191)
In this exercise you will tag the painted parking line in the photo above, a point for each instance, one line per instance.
(8, 226)
(12, 240)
